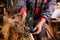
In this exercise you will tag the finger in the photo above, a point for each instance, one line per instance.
(35, 28)
(38, 31)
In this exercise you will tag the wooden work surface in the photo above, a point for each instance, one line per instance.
(53, 27)
(57, 20)
(54, 24)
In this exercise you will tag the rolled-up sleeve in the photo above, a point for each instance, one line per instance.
(49, 9)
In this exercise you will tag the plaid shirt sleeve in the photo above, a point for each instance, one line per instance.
(48, 11)
(21, 6)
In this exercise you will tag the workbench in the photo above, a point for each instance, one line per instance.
(53, 27)
(54, 24)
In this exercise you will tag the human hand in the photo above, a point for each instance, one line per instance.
(38, 27)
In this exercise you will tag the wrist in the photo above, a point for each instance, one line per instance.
(42, 21)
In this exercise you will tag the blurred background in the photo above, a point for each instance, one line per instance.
(7, 8)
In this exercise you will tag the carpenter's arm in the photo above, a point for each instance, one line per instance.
(45, 16)
(49, 9)
(21, 7)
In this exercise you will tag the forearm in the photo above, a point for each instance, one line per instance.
(24, 15)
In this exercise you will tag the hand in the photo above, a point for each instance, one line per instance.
(38, 27)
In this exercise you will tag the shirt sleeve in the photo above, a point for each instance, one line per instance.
(21, 6)
(48, 10)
